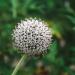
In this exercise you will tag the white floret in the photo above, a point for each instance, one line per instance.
(32, 36)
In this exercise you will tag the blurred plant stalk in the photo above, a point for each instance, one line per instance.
(14, 8)
(20, 63)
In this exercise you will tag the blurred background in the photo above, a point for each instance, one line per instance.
(60, 15)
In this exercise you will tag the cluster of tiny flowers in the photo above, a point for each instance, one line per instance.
(32, 37)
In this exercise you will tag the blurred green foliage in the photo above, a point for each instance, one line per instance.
(60, 15)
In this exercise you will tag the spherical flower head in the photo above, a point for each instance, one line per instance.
(32, 37)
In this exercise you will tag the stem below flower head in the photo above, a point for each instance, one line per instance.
(18, 65)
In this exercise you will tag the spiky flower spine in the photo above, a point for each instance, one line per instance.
(32, 36)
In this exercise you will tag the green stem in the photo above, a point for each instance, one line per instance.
(18, 65)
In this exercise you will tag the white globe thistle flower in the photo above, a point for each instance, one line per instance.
(32, 37)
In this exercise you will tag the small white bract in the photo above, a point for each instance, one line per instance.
(32, 37)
